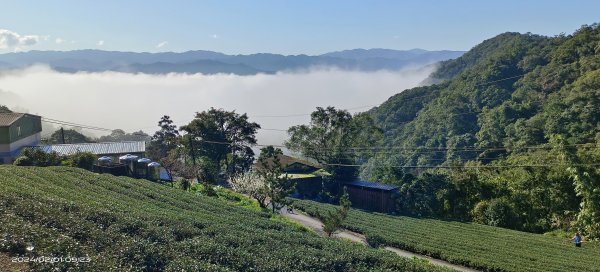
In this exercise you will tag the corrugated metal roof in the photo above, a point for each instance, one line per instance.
(97, 148)
(372, 185)
(6, 119)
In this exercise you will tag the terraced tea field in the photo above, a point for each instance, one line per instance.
(473, 245)
(124, 224)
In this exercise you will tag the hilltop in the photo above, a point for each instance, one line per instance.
(514, 90)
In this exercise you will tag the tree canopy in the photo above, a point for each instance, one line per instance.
(277, 185)
(221, 141)
(71, 136)
(163, 140)
(4, 109)
(514, 123)
(119, 135)
(331, 137)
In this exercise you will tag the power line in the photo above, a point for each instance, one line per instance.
(274, 129)
(397, 123)
(499, 80)
(60, 122)
(369, 106)
(470, 166)
(437, 166)
(64, 123)
(76, 125)
(419, 149)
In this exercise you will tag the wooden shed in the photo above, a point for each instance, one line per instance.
(372, 195)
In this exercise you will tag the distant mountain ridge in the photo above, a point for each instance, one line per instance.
(209, 62)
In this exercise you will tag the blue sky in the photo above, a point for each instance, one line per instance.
(286, 27)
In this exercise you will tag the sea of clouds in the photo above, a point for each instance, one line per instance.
(137, 101)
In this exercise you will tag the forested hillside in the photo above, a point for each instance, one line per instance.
(518, 116)
(513, 90)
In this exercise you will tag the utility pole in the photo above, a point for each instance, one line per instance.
(193, 155)
(62, 135)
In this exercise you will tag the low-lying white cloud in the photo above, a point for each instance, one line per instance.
(10, 39)
(137, 101)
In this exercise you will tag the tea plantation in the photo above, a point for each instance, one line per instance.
(124, 224)
(474, 245)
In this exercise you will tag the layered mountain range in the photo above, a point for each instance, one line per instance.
(209, 62)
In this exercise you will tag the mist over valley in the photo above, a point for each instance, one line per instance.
(134, 102)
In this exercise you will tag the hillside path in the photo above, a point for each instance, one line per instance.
(317, 226)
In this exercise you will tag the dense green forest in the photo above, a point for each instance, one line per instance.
(509, 136)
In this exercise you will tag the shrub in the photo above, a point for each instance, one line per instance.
(375, 240)
(23, 161)
(479, 212)
(208, 190)
(496, 212)
(41, 158)
(500, 213)
(83, 160)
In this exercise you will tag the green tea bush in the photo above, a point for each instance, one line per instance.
(125, 224)
(479, 246)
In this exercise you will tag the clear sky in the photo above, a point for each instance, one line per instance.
(278, 26)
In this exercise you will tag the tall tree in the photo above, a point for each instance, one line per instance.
(119, 135)
(71, 137)
(163, 140)
(335, 139)
(270, 168)
(333, 220)
(586, 176)
(224, 138)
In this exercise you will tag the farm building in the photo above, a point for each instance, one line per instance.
(109, 149)
(18, 130)
(109, 152)
(307, 176)
(371, 195)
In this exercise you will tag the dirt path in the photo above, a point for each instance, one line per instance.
(317, 226)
